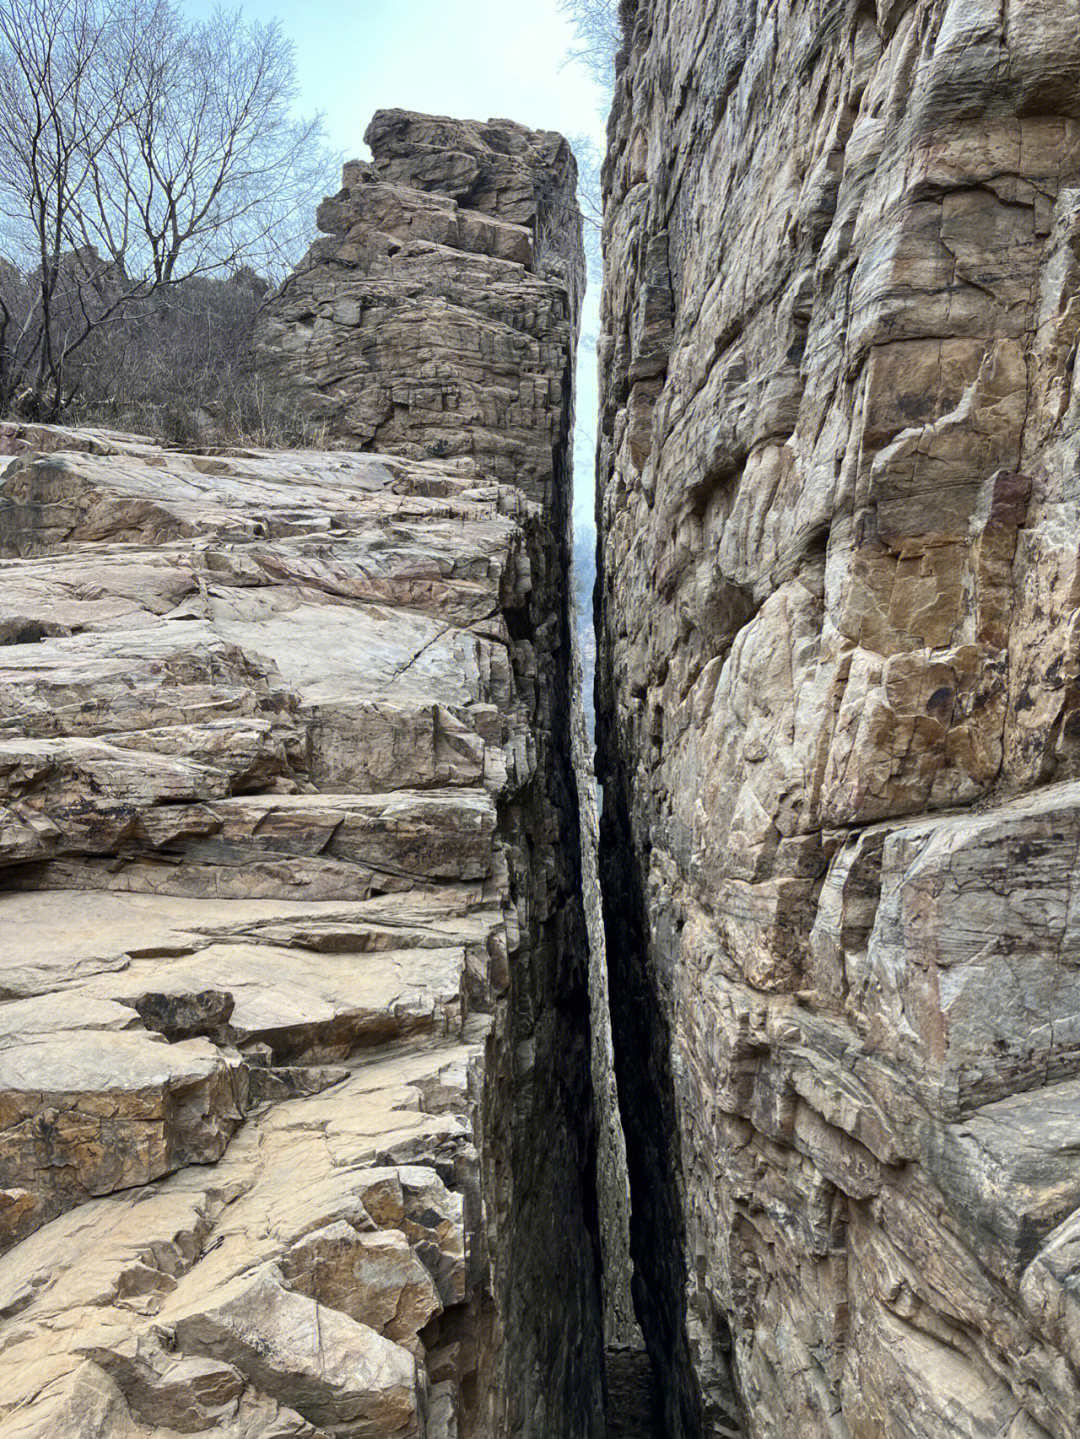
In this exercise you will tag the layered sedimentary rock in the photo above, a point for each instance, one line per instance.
(838, 708)
(294, 1095)
(430, 319)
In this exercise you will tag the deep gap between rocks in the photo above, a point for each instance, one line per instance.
(632, 1402)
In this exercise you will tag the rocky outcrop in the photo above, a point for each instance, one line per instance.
(838, 703)
(295, 1120)
(430, 318)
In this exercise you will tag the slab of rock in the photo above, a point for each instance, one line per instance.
(377, 1278)
(85, 1110)
(336, 1191)
(294, 1113)
(838, 736)
(305, 1005)
(334, 1370)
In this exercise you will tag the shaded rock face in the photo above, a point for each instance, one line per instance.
(838, 698)
(295, 1120)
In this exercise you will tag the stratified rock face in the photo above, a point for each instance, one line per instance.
(840, 711)
(294, 1096)
(430, 320)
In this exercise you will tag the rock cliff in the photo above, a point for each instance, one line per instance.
(430, 319)
(295, 1118)
(839, 696)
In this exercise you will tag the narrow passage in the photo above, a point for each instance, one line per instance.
(633, 1408)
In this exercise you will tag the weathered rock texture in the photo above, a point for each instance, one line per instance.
(431, 318)
(840, 708)
(621, 1330)
(294, 1097)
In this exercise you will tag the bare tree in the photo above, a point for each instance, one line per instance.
(215, 171)
(56, 116)
(598, 32)
(136, 151)
(590, 199)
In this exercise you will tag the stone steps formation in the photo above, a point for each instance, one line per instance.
(292, 976)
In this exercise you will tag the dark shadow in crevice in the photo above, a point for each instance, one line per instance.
(646, 1099)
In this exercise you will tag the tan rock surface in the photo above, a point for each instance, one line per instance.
(426, 321)
(293, 1078)
(837, 695)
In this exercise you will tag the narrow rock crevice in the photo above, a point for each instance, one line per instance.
(631, 1401)
(647, 1098)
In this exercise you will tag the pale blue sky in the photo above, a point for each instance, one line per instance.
(470, 58)
(474, 59)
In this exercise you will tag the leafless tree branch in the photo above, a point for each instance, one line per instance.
(598, 32)
(138, 151)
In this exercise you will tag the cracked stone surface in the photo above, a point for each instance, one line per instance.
(427, 319)
(838, 709)
(293, 1069)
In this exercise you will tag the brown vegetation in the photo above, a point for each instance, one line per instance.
(143, 159)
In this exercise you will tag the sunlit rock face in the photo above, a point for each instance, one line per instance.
(295, 1121)
(839, 731)
(430, 319)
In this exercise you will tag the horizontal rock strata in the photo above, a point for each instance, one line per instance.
(428, 319)
(838, 709)
(294, 1106)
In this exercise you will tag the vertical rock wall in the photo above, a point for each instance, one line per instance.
(295, 1119)
(437, 319)
(838, 708)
